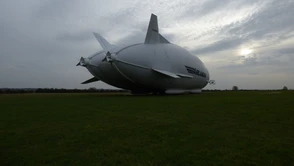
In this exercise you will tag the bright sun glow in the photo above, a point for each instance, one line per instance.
(245, 51)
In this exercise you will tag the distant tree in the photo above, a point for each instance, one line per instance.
(285, 88)
(92, 89)
(235, 88)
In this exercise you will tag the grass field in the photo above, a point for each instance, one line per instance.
(219, 128)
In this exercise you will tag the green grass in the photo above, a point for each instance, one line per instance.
(221, 128)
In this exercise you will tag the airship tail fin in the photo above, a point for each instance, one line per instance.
(94, 79)
(103, 42)
(153, 36)
(163, 40)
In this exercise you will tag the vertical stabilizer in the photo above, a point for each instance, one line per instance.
(163, 40)
(152, 35)
(104, 43)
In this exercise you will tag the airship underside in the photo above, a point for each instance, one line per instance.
(153, 66)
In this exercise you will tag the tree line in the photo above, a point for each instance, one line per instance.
(56, 90)
(94, 90)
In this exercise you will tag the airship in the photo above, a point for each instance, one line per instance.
(155, 66)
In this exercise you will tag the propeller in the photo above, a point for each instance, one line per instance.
(211, 82)
(83, 62)
(109, 57)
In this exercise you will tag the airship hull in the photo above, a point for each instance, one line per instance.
(153, 66)
(135, 69)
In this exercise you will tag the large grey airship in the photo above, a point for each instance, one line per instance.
(155, 66)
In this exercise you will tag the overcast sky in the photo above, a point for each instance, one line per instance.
(248, 43)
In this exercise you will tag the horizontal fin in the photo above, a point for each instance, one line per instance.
(185, 76)
(104, 43)
(94, 79)
(166, 73)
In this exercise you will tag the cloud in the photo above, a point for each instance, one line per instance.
(225, 44)
(263, 28)
(75, 37)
